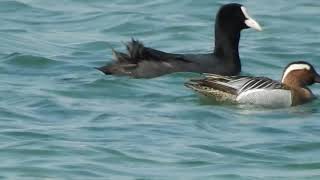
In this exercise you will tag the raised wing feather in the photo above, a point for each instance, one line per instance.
(234, 84)
(259, 83)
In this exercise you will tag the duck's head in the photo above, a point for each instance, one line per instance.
(300, 74)
(235, 16)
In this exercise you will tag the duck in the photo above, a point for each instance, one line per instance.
(292, 90)
(144, 62)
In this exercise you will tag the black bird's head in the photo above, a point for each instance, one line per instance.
(234, 17)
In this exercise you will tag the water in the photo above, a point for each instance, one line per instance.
(62, 119)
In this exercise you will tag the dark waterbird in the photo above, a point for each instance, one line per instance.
(144, 62)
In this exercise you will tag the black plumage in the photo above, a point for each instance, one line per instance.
(144, 62)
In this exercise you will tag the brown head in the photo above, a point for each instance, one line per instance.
(300, 74)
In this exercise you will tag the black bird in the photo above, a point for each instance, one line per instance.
(145, 62)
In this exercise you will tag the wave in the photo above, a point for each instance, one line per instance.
(29, 61)
(12, 6)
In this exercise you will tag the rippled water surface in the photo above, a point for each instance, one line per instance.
(62, 119)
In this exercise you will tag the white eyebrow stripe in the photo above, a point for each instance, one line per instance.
(294, 67)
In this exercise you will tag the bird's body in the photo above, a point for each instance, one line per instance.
(157, 63)
(145, 62)
(262, 91)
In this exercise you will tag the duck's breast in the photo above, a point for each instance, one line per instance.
(266, 97)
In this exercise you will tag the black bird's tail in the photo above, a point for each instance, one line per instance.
(143, 62)
(125, 63)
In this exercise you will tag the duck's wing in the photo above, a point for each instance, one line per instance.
(233, 81)
(265, 92)
(259, 83)
(214, 82)
(232, 84)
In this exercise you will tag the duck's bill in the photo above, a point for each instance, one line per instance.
(250, 22)
(317, 78)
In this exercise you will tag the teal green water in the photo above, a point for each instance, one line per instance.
(62, 119)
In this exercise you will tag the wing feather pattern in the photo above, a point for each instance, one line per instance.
(233, 84)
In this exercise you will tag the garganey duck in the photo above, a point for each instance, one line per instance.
(291, 91)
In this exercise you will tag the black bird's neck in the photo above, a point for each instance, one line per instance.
(227, 44)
